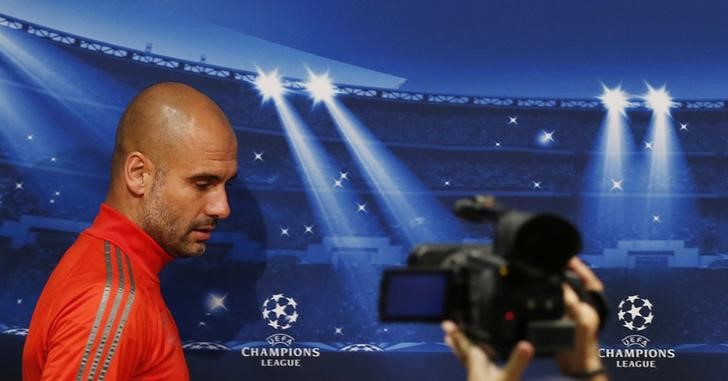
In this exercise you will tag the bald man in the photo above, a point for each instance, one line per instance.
(101, 315)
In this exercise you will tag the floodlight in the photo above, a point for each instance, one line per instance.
(320, 87)
(659, 100)
(615, 99)
(269, 84)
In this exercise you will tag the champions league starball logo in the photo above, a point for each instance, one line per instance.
(279, 311)
(635, 313)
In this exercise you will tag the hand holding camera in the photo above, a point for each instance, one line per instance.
(582, 362)
(525, 295)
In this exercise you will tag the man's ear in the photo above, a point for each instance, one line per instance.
(137, 169)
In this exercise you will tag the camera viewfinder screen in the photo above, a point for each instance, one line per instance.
(416, 295)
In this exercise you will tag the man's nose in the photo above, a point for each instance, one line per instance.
(218, 206)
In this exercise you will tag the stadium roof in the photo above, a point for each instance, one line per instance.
(563, 49)
(135, 24)
(297, 85)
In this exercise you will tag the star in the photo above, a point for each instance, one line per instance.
(536, 184)
(292, 318)
(19, 186)
(279, 310)
(656, 218)
(617, 184)
(513, 120)
(53, 159)
(497, 144)
(52, 201)
(276, 297)
(620, 315)
(29, 137)
(201, 324)
(548, 136)
(217, 302)
(628, 325)
(634, 312)
(631, 299)
(274, 324)
(292, 302)
(648, 146)
(337, 183)
(57, 193)
(361, 207)
(258, 156)
(647, 304)
(309, 229)
(447, 183)
(684, 126)
(648, 318)
(19, 301)
(339, 331)
(343, 175)
(284, 232)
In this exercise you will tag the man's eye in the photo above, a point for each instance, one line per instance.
(202, 185)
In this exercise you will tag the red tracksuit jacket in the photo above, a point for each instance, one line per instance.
(101, 315)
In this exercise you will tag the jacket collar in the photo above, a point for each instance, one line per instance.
(116, 228)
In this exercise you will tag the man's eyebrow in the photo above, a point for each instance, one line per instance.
(205, 177)
(210, 177)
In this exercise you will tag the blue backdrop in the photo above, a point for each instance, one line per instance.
(331, 193)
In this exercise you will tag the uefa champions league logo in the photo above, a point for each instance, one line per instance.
(635, 313)
(279, 311)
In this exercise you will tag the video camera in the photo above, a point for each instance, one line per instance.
(497, 294)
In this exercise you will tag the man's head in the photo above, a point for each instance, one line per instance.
(175, 153)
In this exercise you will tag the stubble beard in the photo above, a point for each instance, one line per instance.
(160, 224)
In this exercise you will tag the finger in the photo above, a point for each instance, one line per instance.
(451, 344)
(448, 326)
(586, 276)
(456, 340)
(582, 314)
(518, 361)
(571, 302)
(461, 345)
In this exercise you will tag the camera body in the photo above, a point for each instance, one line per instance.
(497, 294)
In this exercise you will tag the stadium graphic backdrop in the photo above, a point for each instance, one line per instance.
(337, 182)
